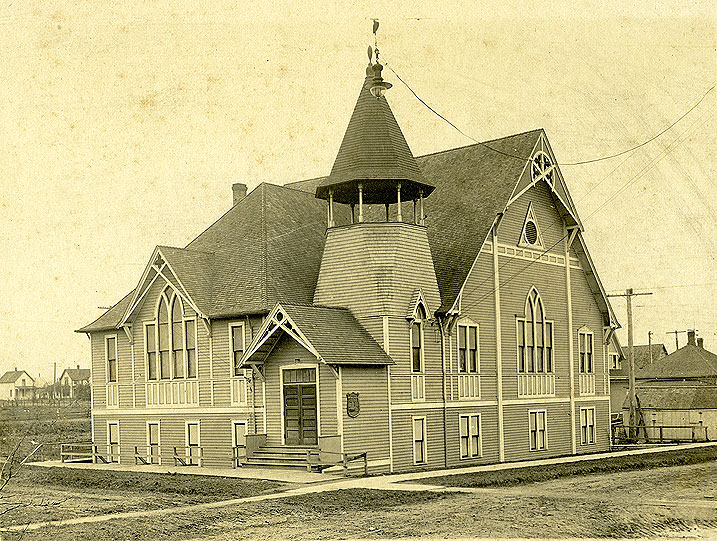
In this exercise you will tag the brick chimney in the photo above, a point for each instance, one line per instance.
(701, 342)
(691, 335)
(238, 191)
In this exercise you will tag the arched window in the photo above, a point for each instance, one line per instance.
(535, 337)
(171, 340)
(417, 339)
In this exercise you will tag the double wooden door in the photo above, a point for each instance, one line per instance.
(300, 406)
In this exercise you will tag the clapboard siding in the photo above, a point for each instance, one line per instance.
(376, 268)
(602, 426)
(288, 352)
(517, 434)
(369, 431)
(587, 314)
(99, 370)
(477, 307)
(489, 435)
(546, 214)
(215, 435)
(403, 439)
(549, 280)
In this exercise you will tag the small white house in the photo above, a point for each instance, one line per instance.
(71, 378)
(17, 385)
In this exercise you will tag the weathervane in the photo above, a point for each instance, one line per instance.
(378, 85)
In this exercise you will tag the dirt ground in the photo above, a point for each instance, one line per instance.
(678, 500)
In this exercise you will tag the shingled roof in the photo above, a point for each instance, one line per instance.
(11, 376)
(265, 249)
(374, 151)
(473, 184)
(642, 359)
(688, 362)
(337, 335)
(76, 374)
(678, 397)
(268, 247)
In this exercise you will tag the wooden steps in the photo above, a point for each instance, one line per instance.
(279, 457)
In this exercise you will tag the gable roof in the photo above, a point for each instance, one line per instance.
(11, 376)
(268, 247)
(76, 374)
(642, 358)
(333, 335)
(690, 361)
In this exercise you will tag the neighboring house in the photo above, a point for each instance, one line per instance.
(17, 385)
(71, 378)
(430, 312)
(680, 389)
(620, 369)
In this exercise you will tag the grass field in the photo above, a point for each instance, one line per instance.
(644, 503)
(534, 474)
(41, 494)
(46, 424)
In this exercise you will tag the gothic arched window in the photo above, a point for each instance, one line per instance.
(417, 339)
(170, 340)
(535, 337)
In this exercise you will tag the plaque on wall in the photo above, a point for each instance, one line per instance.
(353, 407)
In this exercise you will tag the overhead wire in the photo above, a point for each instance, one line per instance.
(527, 159)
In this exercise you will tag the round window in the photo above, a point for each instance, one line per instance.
(531, 232)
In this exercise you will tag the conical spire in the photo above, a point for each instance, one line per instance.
(373, 153)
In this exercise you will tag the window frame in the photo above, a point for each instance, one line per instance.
(469, 436)
(109, 337)
(419, 323)
(110, 450)
(537, 447)
(187, 447)
(424, 444)
(467, 327)
(231, 327)
(587, 437)
(582, 363)
(532, 304)
(169, 296)
(158, 423)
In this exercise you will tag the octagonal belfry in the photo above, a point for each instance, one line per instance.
(374, 164)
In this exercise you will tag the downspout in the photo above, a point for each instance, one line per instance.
(443, 390)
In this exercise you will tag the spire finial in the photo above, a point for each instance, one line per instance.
(378, 85)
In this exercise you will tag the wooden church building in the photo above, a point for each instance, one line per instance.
(429, 312)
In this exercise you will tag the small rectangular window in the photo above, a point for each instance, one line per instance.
(417, 347)
(468, 354)
(113, 443)
(237, 332)
(521, 346)
(193, 449)
(151, 341)
(419, 440)
(470, 436)
(191, 341)
(587, 426)
(537, 427)
(153, 442)
(112, 358)
(585, 351)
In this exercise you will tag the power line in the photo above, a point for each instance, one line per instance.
(527, 159)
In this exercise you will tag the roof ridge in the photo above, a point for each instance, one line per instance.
(186, 249)
(480, 143)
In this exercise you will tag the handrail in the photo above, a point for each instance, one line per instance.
(73, 452)
(188, 458)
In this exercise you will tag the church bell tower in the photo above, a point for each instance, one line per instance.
(376, 264)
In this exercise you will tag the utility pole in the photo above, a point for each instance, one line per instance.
(677, 344)
(629, 294)
(649, 344)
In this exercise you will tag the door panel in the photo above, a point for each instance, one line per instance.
(300, 417)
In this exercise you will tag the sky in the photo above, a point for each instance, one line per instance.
(125, 124)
